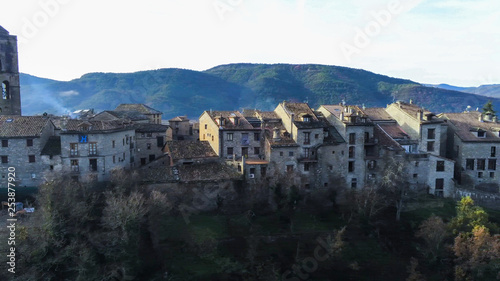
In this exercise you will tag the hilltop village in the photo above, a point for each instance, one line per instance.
(447, 154)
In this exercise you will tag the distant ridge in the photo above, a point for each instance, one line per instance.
(236, 86)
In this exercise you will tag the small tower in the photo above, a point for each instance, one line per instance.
(10, 98)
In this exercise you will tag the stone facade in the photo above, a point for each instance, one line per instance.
(22, 140)
(10, 100)
(93, 153)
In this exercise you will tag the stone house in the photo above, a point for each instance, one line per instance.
(91, 150)
(149, 141)
(473, 142)
(153, 114)
(22, 141)
(183, 129)
(357, 130)
(131, 116)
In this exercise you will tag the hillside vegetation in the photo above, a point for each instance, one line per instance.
(235, 86)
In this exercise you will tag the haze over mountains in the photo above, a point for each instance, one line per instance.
(237, 86)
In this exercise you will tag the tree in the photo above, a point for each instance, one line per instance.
(433, 231)
(394, 184)
(478, 255)
(469, 216)
(488, 109)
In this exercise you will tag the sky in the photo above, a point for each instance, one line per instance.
(455, 42)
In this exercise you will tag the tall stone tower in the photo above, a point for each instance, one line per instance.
(10, 98)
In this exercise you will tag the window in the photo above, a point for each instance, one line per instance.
(367, 137)
(306, 152)
(372, 164)
(492, 174)
(230, 151)
(5, 143)
(73, 149)
(256, 136)
(492, 164)
(306, 167)
(440, 166)
(457, 150)
(148, 146)
(149, 135)
(252, 171)
(281, 153)
(74, 165)
(244, 151)
(416, 163)
(431, 134)
(481, 164)
(229, 136)
(289, 168)
(316, 136)
(256, 150)
(352, 138)
(351, 151)
(354, 182)
(439, 186)
(92, 148)
(469, 164)
(93, 165)
(244, 139)
(206, 126)
(5, 90)
(330, 167)
(113, 144)
(307, 137)
(31, 158)
(151, 157)
(114, 159)
(51, 167)
(479, 174)
(430, 146)
(29, 142)
(159, 141)
(493, 151)
(290, 153)
(263, 171)
(415, 176)
(5, 159)
(481, 134)
(351, 166)
(143, 161)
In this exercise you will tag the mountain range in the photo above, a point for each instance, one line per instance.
(236, 86)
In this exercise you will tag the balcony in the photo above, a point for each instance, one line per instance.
(371, 141)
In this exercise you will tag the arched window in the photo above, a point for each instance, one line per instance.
(5, 90)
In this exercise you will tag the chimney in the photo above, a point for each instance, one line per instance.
(420, 114)
(341, 116)
(487, 117)
(276, 134)
(495, 119)
(411, 101)
(480, 117)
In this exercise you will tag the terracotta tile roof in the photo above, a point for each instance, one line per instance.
(131, 115)
(412, 109)
(75, 125)
(212, 171)
(385, 139)
(179, 119)
(394, 131)
(52, 147)
(187, 149)
(22, 126)
(242, 124)
(377, 114)
(148, 127)
(144, 109)
(468, 122)
(268, 115)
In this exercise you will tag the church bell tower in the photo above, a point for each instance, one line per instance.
(10, 98)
